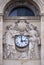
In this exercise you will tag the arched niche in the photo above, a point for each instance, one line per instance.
(17, 3)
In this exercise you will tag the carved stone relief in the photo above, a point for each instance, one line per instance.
(21, 27)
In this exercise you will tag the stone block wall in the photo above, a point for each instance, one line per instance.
(22, 61)
(42, 40)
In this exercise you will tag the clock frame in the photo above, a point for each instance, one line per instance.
(20, 42)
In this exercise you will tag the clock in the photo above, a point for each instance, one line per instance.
(21, 41)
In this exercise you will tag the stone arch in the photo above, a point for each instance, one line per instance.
(30, 4)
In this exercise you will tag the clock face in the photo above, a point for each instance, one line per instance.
(21, 40)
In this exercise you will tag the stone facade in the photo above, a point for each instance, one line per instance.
(36, 21)
(23, 27)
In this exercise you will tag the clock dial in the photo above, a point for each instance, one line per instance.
(25, 39)
(21, 40)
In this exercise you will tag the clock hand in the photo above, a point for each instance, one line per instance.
(21, 39)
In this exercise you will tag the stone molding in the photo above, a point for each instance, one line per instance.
(24, 18)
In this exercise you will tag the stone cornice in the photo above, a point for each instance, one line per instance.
(1, 14)
(24, 18)
(41, 14)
